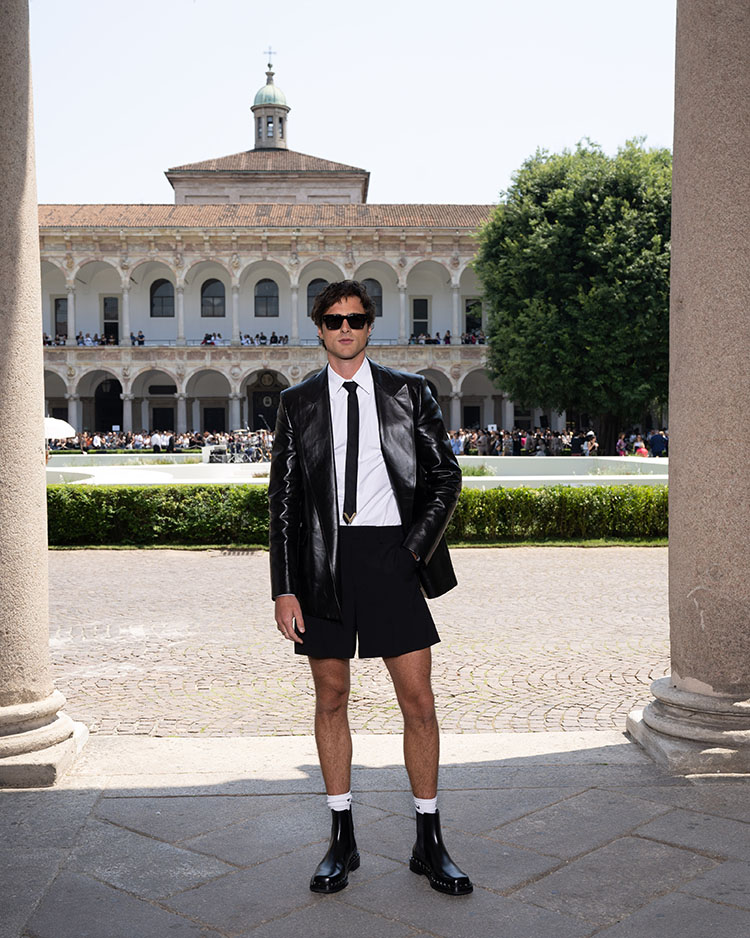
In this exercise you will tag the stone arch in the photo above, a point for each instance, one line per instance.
(154, 407)
(192, 271)
(208, 394)
(260, 392)
(54, 289)
(251, 275)
(98, 299)
(472, 310)
(96, 262)
(479, 396)
(143, 275)
(100, 408)
(197, 325)
(429, 298)
(157, 259)
(55, 391)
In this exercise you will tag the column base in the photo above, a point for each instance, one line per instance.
(45, 767)
(692, 733)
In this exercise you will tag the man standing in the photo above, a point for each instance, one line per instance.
(363, 484)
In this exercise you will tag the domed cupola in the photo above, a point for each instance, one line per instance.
(270, 116)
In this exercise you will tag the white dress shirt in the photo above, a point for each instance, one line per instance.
(376, 503)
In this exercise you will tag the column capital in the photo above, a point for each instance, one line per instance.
(72, 397)
(180, 288)
(235, 288)
(127, 397)
(180, 396)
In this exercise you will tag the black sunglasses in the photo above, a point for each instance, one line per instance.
(334, 321)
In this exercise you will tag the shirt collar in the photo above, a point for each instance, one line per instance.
(363, 377)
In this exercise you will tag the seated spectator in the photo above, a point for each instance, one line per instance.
(133, 338)
(141, 338)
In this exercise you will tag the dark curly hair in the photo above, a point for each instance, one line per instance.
(340, 290)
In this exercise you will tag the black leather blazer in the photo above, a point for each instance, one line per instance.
(303, 506)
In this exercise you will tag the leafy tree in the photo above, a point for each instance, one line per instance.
(575, 267)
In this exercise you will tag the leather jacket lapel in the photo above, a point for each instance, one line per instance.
(396, 419)
(317, 448)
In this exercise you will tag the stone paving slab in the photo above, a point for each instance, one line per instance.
(175, 851)
(183, 643)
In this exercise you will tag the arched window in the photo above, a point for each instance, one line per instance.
(266, 298)
(162, 299)
(313, 289)
(375, 292)
(213, 301)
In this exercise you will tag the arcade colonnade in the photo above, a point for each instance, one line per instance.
(176, 300)
(213, 389)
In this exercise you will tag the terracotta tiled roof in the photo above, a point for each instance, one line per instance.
(263, 215)
(267, 161)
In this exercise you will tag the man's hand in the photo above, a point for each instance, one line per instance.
(287, 611)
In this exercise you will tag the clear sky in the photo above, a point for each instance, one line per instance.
(441, 101)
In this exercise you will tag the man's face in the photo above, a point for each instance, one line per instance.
(345, 343)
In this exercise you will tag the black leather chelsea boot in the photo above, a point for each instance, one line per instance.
(333, 870)
(430, 858)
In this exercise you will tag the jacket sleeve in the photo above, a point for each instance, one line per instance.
(438, 477)
(284, 504)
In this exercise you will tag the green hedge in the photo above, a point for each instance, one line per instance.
(157, 514)
(560, 512)
(238, 514)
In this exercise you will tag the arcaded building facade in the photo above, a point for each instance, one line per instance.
(248, 244)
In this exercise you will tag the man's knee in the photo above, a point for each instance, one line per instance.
(419, 706)
(331, 698)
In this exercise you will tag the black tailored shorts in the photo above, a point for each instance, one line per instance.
(384, 613)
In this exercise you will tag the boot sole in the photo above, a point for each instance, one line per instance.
(449, 888)
(328, 888)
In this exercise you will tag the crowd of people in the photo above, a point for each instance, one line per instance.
(482, 442)
(256, 443)
(546, 442)
(475, 337)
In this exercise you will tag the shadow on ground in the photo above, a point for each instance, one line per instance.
(571, 835)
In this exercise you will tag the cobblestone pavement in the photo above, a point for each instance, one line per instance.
(181, 643)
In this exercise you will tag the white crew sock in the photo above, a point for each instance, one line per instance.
(426, 805)
(340, 802)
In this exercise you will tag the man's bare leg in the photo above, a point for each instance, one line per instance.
(411, 680)
(332, 734)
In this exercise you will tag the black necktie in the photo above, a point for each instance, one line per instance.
(352, 452)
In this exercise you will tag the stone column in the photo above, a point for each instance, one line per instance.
(181, 412)
(74, 413)
(180, 296)
(455, 415)
(234, 412)
(127, 412)
(125, 332)
(72, 314)
(508, 414)
(456, 329)
(196, 415)
(235, 315)
(402, 336)
(37, 741)
(294, 337)
(144, 414)
(699, 720)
